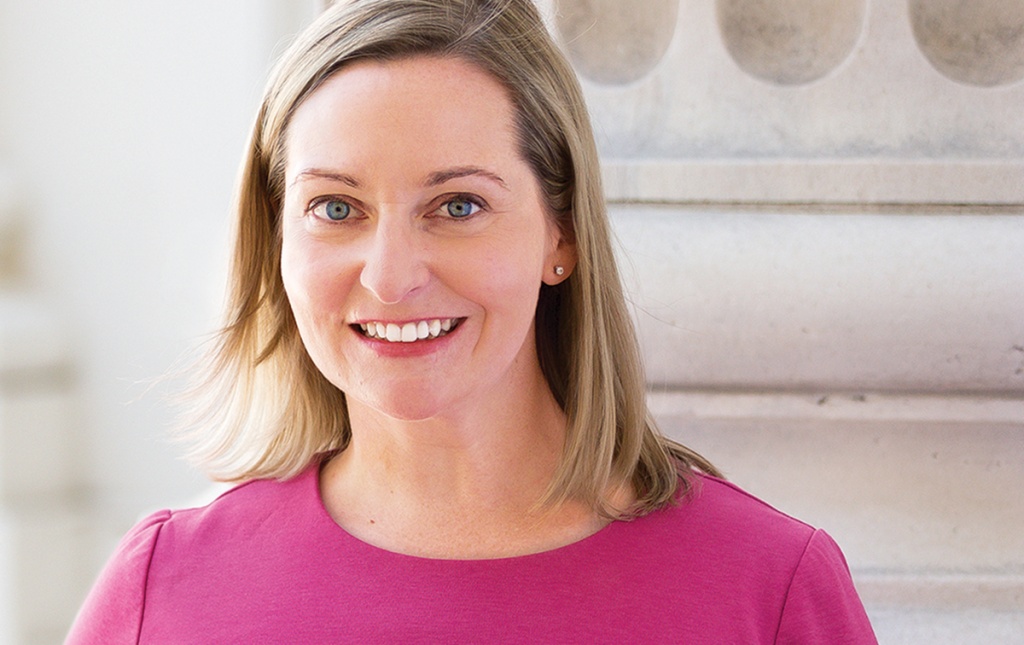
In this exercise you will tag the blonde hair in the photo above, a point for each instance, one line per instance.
(263, 408)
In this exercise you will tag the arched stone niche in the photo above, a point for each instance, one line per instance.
(615, 42)
(790, 42)
(980, 42)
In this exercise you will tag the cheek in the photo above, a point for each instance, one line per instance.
(315, 291)
(510, 278)
(311, 277)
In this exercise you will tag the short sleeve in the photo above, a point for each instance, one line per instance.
(113, 611)
(822, 605)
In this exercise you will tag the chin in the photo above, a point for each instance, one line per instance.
(407, 407)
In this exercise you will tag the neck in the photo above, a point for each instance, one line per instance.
(464, 486)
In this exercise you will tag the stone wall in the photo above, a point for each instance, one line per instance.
(821, 212)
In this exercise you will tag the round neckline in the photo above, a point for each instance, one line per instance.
(324, 516)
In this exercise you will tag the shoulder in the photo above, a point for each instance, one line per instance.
(740, 530)
(726, 515)
(721, 532)
(113, 611)
(177, 544)
(749, 550)
(727, 499)
(251, 503)
(723, 535)
(822, 604)
(254, 517)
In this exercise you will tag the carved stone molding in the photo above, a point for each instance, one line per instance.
(794, 81)
(790, 42)
(979, 42)
(616, 42)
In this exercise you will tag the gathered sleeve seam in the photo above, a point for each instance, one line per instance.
(149, 564)
(792, 579)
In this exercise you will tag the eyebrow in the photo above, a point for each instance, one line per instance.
(434, 179)
(441, 176)
(311, 173)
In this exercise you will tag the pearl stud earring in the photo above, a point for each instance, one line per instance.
(559, 270)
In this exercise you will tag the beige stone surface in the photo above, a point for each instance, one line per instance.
(615, 42)
(898, 496)
(979, 42)
(963, 627)
(790, 42)
(912, 182)
(798, 299)
(884, 100)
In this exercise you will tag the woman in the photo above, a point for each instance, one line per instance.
(430, 383)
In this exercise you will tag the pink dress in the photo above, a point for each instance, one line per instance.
(265, 563)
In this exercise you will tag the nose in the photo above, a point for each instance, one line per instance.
(393, 267)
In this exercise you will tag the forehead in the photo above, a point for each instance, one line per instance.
(442, 107)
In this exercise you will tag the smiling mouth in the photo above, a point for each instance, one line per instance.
(408, 332)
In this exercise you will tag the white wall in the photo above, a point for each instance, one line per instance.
(122, 124)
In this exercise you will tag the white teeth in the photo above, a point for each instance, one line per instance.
(394, 333)
(409, 332)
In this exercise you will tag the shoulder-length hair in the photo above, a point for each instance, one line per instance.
(264, 410)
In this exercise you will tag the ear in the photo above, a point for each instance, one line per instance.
(561, 260)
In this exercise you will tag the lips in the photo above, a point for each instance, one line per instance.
(409, 332)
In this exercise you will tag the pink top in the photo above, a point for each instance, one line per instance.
(265, 563)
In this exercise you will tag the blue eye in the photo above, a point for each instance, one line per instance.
(459, 208)
(337, 210)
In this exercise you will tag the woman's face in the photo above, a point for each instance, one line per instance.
(415, 239)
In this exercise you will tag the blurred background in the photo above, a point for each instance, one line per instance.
(122, 126)
(820, 207)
